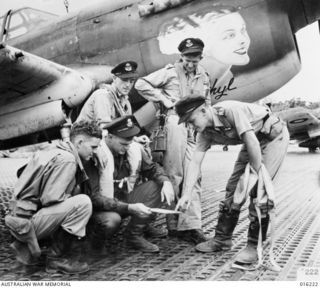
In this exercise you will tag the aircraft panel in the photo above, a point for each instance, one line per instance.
(248, 63)
(56, 42)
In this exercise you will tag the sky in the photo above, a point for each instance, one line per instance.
(304, 85)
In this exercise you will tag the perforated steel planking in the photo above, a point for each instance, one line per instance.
(297, 241)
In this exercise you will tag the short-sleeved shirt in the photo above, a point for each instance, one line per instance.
(173, 82)
(103, 106)
(241, 117)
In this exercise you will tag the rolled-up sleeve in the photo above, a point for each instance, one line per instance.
(238, 119)
(151, 86)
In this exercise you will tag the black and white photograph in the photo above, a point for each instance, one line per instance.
(159, 140)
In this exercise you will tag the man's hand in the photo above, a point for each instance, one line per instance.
(167, 192)
(184, 203)
(102, 158)
(165, 101)
(143, 139)
(139, 209)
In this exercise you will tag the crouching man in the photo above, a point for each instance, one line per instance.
(151, 187)
(44, 204)
(265, 140)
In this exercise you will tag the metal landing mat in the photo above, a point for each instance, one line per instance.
(297, 239)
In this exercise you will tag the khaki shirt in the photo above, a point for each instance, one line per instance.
(174, 83)
(48, 178)
(241, 117)
(104, 105)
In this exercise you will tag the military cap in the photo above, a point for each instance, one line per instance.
(124, 127)
(186, 105)
(126, 70)
(191, 45)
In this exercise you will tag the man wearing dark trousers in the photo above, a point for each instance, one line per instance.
(150, 189)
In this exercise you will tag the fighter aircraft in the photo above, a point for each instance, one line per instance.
(50, 65)
(304, 126)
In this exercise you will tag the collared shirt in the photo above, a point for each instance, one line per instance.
(49, 177)
(104, 105)
(174, 83)
(240, 117)
(119, 169)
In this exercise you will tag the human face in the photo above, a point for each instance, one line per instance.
(87, 146)
(229, 41)
(123, 85)
(198, 119)
(119, 145)
(190, 63)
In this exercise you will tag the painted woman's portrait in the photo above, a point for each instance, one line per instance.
(223, 30)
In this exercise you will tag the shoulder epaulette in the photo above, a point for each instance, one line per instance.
(169, 66)
(220, 110)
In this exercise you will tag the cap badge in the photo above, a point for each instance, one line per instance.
(128, 67)
(129, 123)
(189, 43)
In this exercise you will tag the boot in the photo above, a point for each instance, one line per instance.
(23, 254)
(134, 234)
(249, 254)
(227, 222)
(97, 243)
(194, 236)
(59, 259)
(172, 224)
(153, 232)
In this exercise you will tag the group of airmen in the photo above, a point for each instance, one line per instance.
(78, 193)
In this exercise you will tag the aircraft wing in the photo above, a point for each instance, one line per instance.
(36, 91)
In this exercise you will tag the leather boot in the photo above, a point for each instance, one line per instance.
(155, 232)
(249, 254)
(172, 222)
(64, 254)
(222, 239)
(97, 242)
(134, 234)
(23, 254)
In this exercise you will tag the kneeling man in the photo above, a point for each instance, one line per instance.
(150, 188)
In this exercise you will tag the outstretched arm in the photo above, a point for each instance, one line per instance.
(190, 180)
(253, 148)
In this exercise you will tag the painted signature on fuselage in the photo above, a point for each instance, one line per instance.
(218, 91)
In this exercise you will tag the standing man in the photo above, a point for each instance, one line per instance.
(167, 86)
(44, 204)
(265, 140)
(108, 212)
